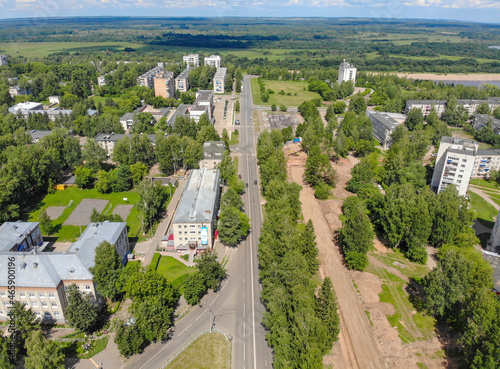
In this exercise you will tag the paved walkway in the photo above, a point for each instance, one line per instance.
(148, 248)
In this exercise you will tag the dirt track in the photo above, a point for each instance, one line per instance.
(357, 345)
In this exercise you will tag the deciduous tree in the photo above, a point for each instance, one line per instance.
(81, 313)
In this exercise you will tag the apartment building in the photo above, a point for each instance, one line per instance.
(471, 105)
(220, 80)
(193, 225)
(426, 106)
(164, 84)
(42, 276)
(455, 163)
(147, 79)
(108, 140)
(204, 104)
(212, 154)
(347, 72)
(127, 121)
(3, 60)
(55, 99)
(182, 80)
(383, 124)
(213, 61)
(486, 160)
(480, 120)
(19, 91)
(192, 60)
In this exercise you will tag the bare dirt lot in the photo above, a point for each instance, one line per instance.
(123, 210)
(81, 214)
(367, 338)
(55, 211)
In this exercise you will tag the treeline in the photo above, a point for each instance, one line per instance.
(301, 326)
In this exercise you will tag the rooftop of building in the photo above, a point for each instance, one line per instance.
(181, 110)
(494, 260)
(488, 152)
(221, 73)
(184, 74)
(388, 120)
(204, 96)
(37, 135)
(13, 233)
(197, 202)
(457, 140)
(487, 118)
(213, 148)
(30, 105)
(127, 116)
(113, 137)
(429, 102)
(346, 64)
(470, 101)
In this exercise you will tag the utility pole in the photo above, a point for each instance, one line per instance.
(211, 322)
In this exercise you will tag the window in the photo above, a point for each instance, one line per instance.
(37, 313)
(22, 295)
(41, 295)
(31, 295)
(56, 313)
(192, 232)
(463, 165)
(44, 304)
(1, 312)
(34, 304)
(87, 288)
(2, 294)
(460, 176)
(54, 304)
(52, 296)
(192, 226)
(459, 181)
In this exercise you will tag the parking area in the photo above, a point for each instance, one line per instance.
(221, 120)
(281, 120)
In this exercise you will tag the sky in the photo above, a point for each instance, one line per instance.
(484, 11)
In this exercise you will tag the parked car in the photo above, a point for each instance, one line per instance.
(237, 121)
(246, 184)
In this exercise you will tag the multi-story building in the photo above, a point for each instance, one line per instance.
(41, 275)
(213, 61)
(454, 164)
(471, 105)
(108, 140)
(212, 154)
(164, 84)
(3, 60)
(426, 106)
(147, 79)
(182, 80)
(204, 104)
(26, 108)
(192, 60)
(193, 225)
(347, 72)
(486, 160)
(383, 124)
(19, 91)
(220, 80)
(481, 120)
(127, 121)
(494, 242)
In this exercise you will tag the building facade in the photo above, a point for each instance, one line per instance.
(213, 61)
(182, 81)
(108, 140)
(347, 72)
(3, 60)
(164, 84)
(192, 60)
(486, 160)
(212, 154)
(193, 225)
(42, 275)
(481, 120)
(220, 80)
(383, 124)
(147, 79)
(426, 106)
(455, 162)
(19, 91)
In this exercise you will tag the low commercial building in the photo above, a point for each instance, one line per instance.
(193, 225)
(212, 154)
(182, 80)
(220, 80)
(454, 164)
(347, 72)
(164, 84)
(213, 61)
(42, 276)
(426, 106)
(108, 140)
(383, 124)
(192, 60)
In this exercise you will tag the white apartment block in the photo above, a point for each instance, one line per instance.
(182, 81)
(347, 72)
(108, 140)
(213, 61)
(42, 276)
(486, 161)
(3, 60)
(426, 106)
(220, 80)
(194, 222)
(454, 164)
(192, 60)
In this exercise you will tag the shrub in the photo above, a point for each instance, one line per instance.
(356, 260)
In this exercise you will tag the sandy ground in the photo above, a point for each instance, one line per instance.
(363, 342)
(451, 77)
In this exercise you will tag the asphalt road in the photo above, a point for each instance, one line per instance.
(236, 308)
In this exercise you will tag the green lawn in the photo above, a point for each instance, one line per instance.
(75, 195)
(287, 86)
(485, 211)
(174, 270)
(42, 49)
(485, 183)
(411, 325)
(210, 351)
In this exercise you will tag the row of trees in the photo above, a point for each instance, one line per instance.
(331, 91)
(302, 327)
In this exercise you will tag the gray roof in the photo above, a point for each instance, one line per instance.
(204, 96)
(184, 74)
(485, 118)
(221, 73)
(198, 200)
(108, 137)
(457, 140)
(13, 233)
(488, 152)
(386, 119)
(181, 111)
(214, 149)
(37, 135)
(127, 116)
(467, 101)
(427, 102)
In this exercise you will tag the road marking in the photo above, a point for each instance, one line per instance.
(214, 300)
(155, 355)
(244, 329)
(200, 315)
(185, 329)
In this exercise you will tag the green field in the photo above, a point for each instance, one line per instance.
(210, 351)
(484, 210)
(75, 195)
(411, 325)
(174, 270)
(371, 56)
(287, 86)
